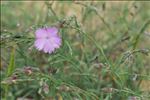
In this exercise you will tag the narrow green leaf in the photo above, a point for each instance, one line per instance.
(138, 36)
(69, 46)
(11, 65)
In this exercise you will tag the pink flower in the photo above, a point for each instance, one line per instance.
(47, 39)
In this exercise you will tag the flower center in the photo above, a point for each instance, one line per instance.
(47, 37)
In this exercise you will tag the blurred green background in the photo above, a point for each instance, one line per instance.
(119, 27)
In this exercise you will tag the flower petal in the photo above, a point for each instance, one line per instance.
(39, 43)
(56, 41)
(41, 33)
(48, 47)
(52, 31)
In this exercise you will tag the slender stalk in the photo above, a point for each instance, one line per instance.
(137, 38)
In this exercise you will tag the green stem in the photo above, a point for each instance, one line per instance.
(99, 47)
(140, 33)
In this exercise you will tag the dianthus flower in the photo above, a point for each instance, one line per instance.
(47, 39)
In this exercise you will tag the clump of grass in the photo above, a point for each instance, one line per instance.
(104, 53)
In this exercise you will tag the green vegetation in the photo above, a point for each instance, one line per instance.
(104, 53)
